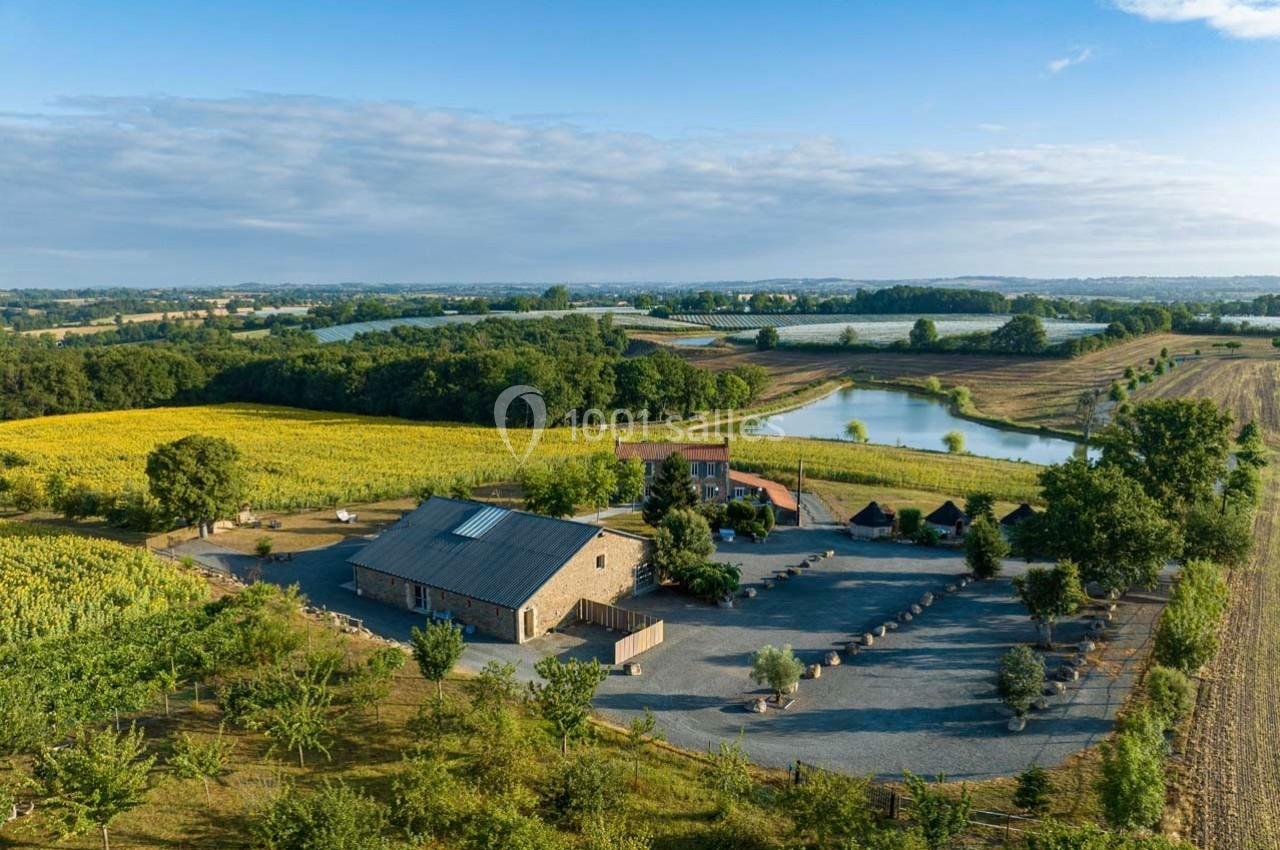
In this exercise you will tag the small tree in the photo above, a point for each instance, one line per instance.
(856, 430)
(428, 802)
(940, 817)
(1034, 790)
(681, 543)
(1049, 594)
(909, 521)
(298, 723)
(263, 547)
(437, 649)
(600, 479)
(630, 474)
(564, 697)
(371, 683)
(197, 478)
(554, 489)
(923, 332)
(1131, 784)
(727, 773)
(848, 336)
(933, 385)
(494, 686)
(767, 339)
(99, 777)
(201, 758)
(953, 441)
(641, 732)
(672, 489)
(961, 398)
(985, 548)
(1021, 678)
(779, 668)
(980, 503)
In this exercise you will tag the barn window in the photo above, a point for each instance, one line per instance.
(600, 562)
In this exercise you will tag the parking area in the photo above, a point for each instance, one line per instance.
(923, 698)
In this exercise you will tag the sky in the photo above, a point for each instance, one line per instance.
(187, 144)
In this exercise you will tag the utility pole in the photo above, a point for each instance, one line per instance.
(799, 489)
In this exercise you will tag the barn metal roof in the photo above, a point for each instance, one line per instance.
(472, 549)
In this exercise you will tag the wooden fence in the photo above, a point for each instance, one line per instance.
(643, 631)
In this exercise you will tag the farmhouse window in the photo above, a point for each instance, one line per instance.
(600, 561)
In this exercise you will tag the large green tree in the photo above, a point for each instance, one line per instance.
(923, 332)
(1023, 334)
(1176, 449)
(672, 489)
(682, 542)
(1102, 520)
(196, 478)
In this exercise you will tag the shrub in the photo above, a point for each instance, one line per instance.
(1034, 789)
(739, 514)
(711, 582)
(430, 803)
(953, 441)
(1131, 783)
(831, 809)
(333, 816)
(727, 773)
(767, 339)
(766, 518)
(742, 828)
(961, 398)
(933, 385)
(926, 535)
(1172, 694)
(682, 542)
(985, 548)
(909, 520)
(1187, 635)
(586, 789)
(25, 491)
(939, 817)
(1021, 678)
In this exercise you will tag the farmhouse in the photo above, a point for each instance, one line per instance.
(872, 521)
(511, 574)
(948, 520)
(761, 491)
(708, 464)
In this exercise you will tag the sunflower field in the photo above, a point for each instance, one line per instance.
(56, 583)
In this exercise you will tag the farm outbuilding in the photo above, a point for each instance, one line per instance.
(1015, 517)
(872, 521)
(948, 520)
(753, 488)
(511, 574)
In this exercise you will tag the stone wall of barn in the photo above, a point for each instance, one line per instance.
(555, 603)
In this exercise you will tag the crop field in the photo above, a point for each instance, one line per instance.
(302, 458)
(54, 583)
(1232, 773)
(1248, 387)
(1028, 390)
(882, 330)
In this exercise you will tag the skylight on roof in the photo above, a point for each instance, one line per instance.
(479, 523)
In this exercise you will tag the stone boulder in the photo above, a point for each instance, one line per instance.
(916, 610)
(632, 668)
(813, 671)
(831, 659)
(878, 631)
(906, 616)
(891, 625)
(757, 705)
(1054, 689)
(867, 639)
(926, 600)
(1017, 723)
(1040, 704)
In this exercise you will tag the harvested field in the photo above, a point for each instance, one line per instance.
(1028, 390)
(1247, 386)
(1232, 763)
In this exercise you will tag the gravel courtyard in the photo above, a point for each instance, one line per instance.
(922, 698)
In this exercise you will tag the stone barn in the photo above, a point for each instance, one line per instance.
(511, 574)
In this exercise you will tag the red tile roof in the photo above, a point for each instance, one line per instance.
(659, 451)
(779, 496)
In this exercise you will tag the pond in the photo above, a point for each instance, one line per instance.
(692, 340)
(894, 417)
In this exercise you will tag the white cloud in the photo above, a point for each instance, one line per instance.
(1057, 65)
(183, 190)
(992, 128)
(1238, 18)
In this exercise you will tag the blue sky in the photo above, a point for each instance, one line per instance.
(188, 143)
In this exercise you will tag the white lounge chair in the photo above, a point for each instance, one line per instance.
(344, 516)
